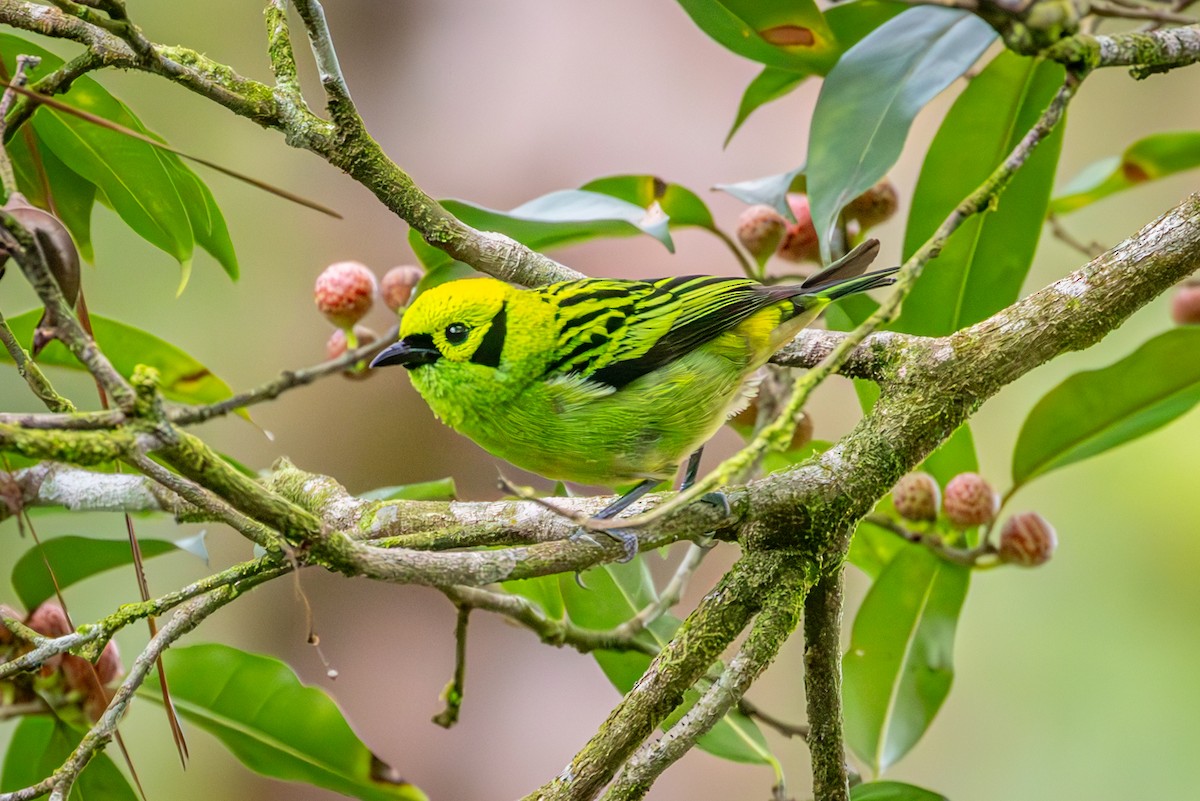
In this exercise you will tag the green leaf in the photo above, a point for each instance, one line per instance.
(900, 663)
(892, 791)
(871, 96)
(442, 489)
(982, 267)
(873, 548)
(614, 594)
(848, 22)
(770, 84)
(955, 455)
(73, 196)
(763, 31)
(257, 707)
(153, 191)
(41, 744)
(770, 190)
(683, 206)
(181, 377)
(1096, 410)
(77, 558)
(565, 217)
(541, 590)
(1148, 159)
(126, 170)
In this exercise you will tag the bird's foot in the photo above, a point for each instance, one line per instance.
(628, 540)
(719, 500)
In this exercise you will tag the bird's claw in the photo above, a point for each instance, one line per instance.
(719, 500)
(628, 540)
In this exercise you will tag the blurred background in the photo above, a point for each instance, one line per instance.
(1077, 680)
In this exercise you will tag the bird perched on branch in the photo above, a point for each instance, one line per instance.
(601, 381)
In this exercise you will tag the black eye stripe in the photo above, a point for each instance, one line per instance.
(456, 333)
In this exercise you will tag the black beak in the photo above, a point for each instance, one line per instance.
(410, 352)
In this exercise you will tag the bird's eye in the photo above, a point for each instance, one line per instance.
(456, 333)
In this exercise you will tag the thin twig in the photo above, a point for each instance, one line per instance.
(28, 369)
(551, 631)
(8, 180)
(204, 499)
(454, 691)
(981, 556)
(1089, 249)
(289, 379)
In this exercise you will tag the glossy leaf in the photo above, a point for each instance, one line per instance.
(770, 190)
(442, 489)
(127, 171)
(770, 84)
(181, 377)
(614, 594)
(1148, 159)
(789, 34)
(153, 191)
(541, 590)
(682, 206)
(892, 791)
(848, 22)
(872, 95)
(77, 558)
(257, 707)
(983, 265)
(900, 663)
(41, 744)
(1096, 410)
(73, 196)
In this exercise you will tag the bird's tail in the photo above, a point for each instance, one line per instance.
(840, 287)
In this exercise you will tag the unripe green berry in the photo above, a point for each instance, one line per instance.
(1027, 540)
(970, 501)
(344, 292)
(917, 497)
(760, 229)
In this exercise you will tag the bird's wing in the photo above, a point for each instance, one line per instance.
(612, 332)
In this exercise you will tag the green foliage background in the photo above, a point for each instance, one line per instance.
(1075, 680)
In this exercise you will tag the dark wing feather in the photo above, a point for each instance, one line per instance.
(707, 307)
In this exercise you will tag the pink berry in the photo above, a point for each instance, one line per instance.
(760, 229)
(1185, 305)
(1027, 540)
(398, 284)
(335, 346)
(970, 501)
(344, 292)
(799, 242)
(874, 206)
(49, 620)
(917, 497)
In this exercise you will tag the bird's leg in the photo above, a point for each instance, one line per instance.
(625, 501)
(717, 499)
(627, 538)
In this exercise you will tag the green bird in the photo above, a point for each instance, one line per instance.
(600, 381)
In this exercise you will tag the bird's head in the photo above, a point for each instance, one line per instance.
(460, 322)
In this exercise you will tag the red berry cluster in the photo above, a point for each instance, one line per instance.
(968, 501)
(345, 292)
(764, 232)
(70, 685)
